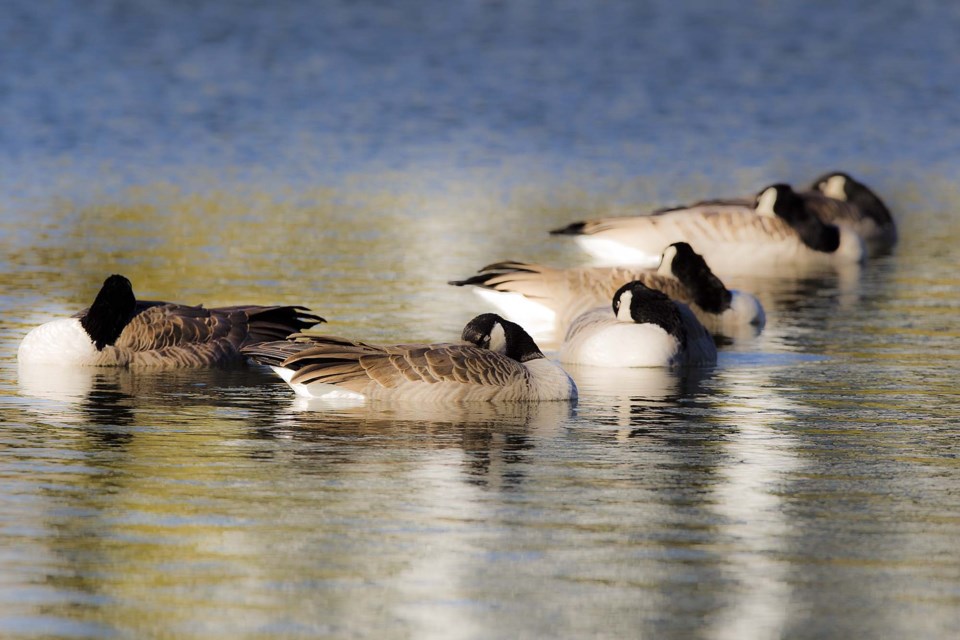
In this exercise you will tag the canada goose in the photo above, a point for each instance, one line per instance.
(498, 361)
(547, 299)
(837, 198)
(118, 330)
(646, 329)
(778, 230)
(866, 213)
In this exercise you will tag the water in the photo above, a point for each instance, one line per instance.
(354, 159)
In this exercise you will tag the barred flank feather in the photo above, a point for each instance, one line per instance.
(445, 372)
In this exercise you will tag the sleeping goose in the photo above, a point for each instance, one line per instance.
(864, 210)
(118, 330)
(546, 300)
(778, 230)
(646, 329)
(497, 361)
(837, 198)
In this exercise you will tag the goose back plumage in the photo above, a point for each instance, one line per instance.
(563, 293)
(117, 330)
(330, 366)
(553, 297)
(730, 235)
(170, 335)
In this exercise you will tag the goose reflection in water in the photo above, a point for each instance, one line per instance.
(78, 395)
(306, 417)
(619, 395)
(760, 457)
(98, 396)
(482, 444)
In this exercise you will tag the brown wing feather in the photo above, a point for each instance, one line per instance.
(830, 210)
(673, 288)
(727, 223)
(350, 364)
(471, 364)
(570, 292)
(218, 352)
(175, 335)
(272, 323)
(171, 325)
(532, 280)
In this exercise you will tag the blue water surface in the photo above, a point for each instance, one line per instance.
(121, 92)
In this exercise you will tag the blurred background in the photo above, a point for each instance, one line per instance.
(223, 147)
(102, 96)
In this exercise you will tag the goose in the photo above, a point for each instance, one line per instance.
(546, 299)
(497, 361)
(863, 210)
(779, 229)
(839, 199)
(120, 331)
(646, 329)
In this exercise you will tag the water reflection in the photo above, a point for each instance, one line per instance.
(761, 457)
(686, 501)
(115, 396)
(630, 398)
(785, 296)
(469, 426)
(431, 509)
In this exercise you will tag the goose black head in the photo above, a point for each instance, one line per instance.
(490, 331)
(781, 201)
(686, 265)
(842, 186)
(110, 312)
(635, 302)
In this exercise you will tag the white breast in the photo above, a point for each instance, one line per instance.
(611, 343)
(745, 317)
(548, 381)
(61, 342)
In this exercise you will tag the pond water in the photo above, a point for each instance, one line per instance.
(356, 159)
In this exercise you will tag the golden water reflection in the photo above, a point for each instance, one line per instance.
(820, 453)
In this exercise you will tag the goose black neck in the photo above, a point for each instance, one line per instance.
(520, 346)
(518, 343)
(813, 232)
(110, 312)
(649, 306)
(867, 201)
(709, 292)
(816, 234)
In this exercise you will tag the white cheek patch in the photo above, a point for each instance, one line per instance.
(623, 313)
(834, 188)
(498, 339)
(766, 201)
(666, 262)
